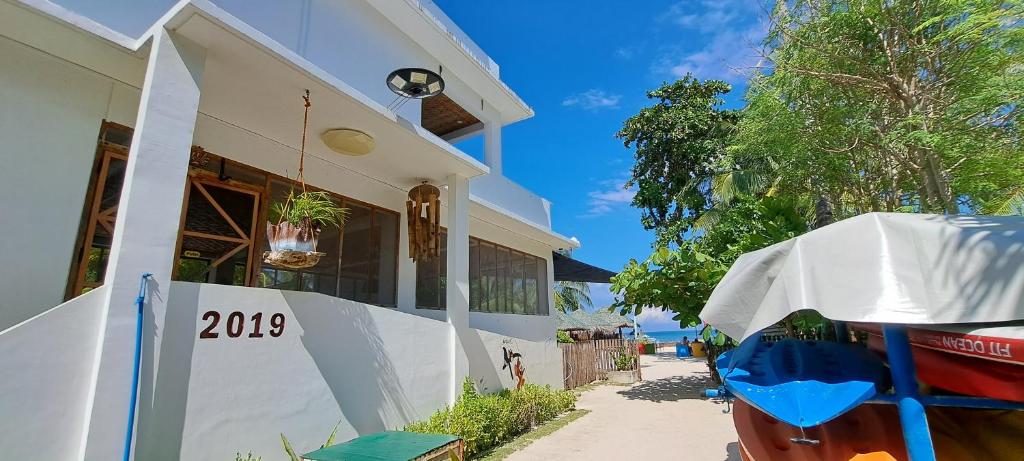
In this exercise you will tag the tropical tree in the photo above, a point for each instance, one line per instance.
(890, 106)
(571, 296)
(677, 142)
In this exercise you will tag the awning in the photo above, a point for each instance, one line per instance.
(571, 270)
(880, 268)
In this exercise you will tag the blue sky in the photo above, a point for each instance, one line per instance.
(585, 67)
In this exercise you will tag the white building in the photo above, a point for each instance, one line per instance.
(160, 154)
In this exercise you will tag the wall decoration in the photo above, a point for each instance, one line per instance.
(516, 370)
(424, 212)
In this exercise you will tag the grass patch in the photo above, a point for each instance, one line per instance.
(503, 451)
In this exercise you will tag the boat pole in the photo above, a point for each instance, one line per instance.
(908, 400)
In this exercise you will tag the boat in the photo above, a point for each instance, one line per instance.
(975, 360)
(873, 433)
(802, 383)
(942, 299)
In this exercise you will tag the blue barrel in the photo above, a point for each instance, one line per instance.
(682, 350)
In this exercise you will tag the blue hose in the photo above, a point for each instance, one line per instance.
(140, 302)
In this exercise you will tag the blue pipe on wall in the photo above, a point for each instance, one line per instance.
(908, 400)
(140, 303)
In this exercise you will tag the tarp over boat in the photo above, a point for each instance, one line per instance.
(880, 268)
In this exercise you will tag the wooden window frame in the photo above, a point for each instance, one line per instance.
(87, 229)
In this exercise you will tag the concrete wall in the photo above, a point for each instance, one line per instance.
(50, 116)
(514, 198)
(352, 41)
(47, 363)
(337, 362)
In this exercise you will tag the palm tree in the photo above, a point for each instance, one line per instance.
(571, 296)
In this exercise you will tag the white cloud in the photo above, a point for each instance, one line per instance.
(654, 316)
(593, 100)
(731, 32)
(611, 195)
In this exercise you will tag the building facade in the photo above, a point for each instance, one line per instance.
(163, 154)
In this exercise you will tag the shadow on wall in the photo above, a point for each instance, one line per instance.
(162, 420)
(359, 372)
(481, 362)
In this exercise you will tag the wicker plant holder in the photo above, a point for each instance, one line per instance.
(288, 259)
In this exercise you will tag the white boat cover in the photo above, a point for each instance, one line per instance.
(881, 268)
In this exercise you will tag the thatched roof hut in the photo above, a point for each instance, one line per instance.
(582, 325)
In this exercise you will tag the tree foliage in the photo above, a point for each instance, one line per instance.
(681, 279)
(677, 141)
(890, 106)
(571, 296)
(862, 105)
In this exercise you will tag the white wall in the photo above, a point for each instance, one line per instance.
(47, 363)
(352, 41)
(501, 191)
(50, 116)
(338, 361)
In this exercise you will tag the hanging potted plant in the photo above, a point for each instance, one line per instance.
(300, 219)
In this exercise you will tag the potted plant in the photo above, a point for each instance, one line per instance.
(625, 367)
(300, 218)
(299, 221)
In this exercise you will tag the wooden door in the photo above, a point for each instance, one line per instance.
(216, 240)
(99, 225)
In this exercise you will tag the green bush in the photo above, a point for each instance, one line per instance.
(485, 421)
(563, 337)
(625, 360)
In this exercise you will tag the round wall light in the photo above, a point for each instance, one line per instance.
(415, 83)
(348, 141)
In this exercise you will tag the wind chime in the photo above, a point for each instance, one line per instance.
(424, 212)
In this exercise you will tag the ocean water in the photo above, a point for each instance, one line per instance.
(671, 336)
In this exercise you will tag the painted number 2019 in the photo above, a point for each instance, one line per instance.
(235, 325)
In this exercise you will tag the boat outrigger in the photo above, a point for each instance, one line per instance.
(939, 299)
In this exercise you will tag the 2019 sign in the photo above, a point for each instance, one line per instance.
(234, 326)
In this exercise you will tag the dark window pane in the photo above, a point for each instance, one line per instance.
(502, 276)
(387, 256)
(474, 274)
(542, 286)
(487, 278)
(356, 254)
(516, 280)
(530, 284)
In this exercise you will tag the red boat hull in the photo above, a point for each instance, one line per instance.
(969, 364)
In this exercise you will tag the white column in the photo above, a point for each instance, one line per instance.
(146, 233)
(492, 145)
(457, 295)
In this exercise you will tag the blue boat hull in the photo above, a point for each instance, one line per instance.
(802, 383)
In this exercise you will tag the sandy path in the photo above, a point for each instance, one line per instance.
(662, 417)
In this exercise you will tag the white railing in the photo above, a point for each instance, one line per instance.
(460, 37)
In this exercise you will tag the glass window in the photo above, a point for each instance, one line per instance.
(386, 225)
(501, 280)
(431, 278)
(488, 281)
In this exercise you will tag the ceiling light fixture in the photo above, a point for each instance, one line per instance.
(348, 141)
